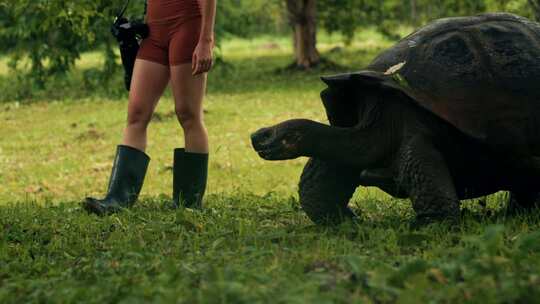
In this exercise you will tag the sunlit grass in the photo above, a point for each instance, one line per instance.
(63, 150)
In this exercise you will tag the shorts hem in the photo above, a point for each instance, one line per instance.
(181, 62)
(152, 60)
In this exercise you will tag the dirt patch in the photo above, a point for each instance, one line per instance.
(269, 46)
(91, 134)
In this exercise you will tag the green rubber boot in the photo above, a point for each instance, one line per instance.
(190, 172)
(125, 184)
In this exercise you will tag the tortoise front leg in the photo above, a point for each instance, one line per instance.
(383, 178)
(325, 190)
(525, 194)
(522, 201)
(424, 172)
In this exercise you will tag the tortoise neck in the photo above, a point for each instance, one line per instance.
(350, 146)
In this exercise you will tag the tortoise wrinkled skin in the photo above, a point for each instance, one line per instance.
(451, 112)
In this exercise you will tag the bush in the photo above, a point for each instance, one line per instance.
(52, 34)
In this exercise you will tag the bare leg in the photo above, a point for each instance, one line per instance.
(130, 164)
(147, 85)
(188, 91)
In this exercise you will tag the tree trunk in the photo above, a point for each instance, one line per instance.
(414, 12)
(303, 20)
(535, 4)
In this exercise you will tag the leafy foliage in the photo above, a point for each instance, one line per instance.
(247, 18)
(44, 38)
(52, 34)
(347, 16)
(535, 4)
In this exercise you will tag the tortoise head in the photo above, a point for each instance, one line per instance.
(287, 140)
(351, 112)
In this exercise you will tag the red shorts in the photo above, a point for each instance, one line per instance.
(175, 27)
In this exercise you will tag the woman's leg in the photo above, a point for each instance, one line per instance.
(190, 168)
(147, 85)
(188, 91)
(130, 164)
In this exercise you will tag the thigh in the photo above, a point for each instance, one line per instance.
(147, 85)
(188, 90)
(155, 47)
(184, 36)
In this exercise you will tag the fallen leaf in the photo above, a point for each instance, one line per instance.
(395, 68)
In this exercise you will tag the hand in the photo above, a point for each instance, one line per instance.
(202, 58)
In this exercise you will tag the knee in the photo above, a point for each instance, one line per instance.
(138, 117)
(188, 118)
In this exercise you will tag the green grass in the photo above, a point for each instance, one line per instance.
(46, 144)
(252, 243)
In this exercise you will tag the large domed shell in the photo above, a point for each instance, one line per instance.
(481, 74)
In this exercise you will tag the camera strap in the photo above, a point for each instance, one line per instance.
(124, 8)
(122, 11)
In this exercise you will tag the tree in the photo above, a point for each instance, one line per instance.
(302, 17)
(343, 16)
(347, 16)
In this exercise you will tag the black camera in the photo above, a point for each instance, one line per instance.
(129, 34)
(125, 30)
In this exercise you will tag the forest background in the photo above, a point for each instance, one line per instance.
(42, 39)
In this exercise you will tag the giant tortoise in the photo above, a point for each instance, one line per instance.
(450, 112)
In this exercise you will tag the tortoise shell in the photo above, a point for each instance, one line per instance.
(481, 74)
